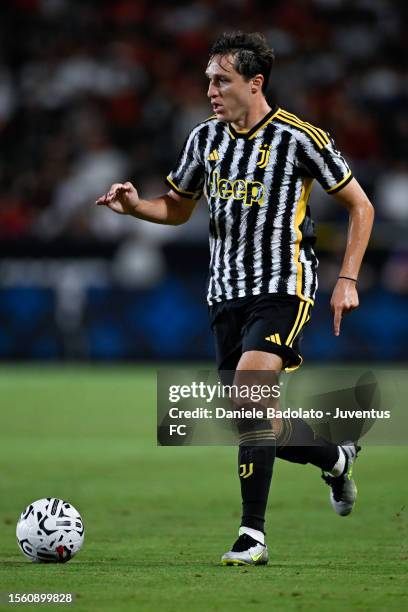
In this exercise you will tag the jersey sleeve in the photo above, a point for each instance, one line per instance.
(187, 177)
(321, 159)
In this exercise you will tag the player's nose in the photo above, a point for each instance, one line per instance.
(212, 91)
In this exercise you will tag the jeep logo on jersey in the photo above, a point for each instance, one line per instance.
(247, 192)
(265, 151)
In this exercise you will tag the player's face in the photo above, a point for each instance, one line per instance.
(229, 92)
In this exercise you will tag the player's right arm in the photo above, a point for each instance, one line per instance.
(186, 183)
(168, 209)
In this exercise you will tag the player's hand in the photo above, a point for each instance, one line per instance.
(121, 197)
(343, 301)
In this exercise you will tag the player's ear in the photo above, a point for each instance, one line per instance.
(256, 83)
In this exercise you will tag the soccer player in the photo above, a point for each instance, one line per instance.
(256, 164)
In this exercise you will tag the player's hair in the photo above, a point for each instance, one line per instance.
(252, 54)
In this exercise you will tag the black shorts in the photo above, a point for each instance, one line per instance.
(268, 322)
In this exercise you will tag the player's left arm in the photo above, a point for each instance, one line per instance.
(361, 216)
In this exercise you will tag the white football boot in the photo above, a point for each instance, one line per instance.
(343, 493)
(246, 551)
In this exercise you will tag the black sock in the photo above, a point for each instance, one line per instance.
(256, 456)
(298, 443)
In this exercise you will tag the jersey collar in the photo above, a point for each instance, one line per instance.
(250, 134)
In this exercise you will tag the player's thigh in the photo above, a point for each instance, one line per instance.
(274, 326)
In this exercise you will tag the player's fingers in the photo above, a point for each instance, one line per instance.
(338, 313)
(101, 200)
(114, 191)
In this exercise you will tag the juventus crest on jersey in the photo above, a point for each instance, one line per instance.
(257, 184)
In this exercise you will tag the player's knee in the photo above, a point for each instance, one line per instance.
(260, 361)
(257, 371)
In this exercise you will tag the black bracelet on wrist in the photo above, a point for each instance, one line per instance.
(348, 278)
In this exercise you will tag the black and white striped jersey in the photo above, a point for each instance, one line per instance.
(257, 184)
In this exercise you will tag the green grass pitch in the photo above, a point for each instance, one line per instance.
(158, 519)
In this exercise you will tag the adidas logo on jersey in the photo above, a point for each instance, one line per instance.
(274, 338)
(213, 156)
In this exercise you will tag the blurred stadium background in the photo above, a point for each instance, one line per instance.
(97, 92)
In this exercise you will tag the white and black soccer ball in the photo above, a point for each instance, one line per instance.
(50, 530)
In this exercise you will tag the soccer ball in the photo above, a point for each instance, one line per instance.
(50, 531)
